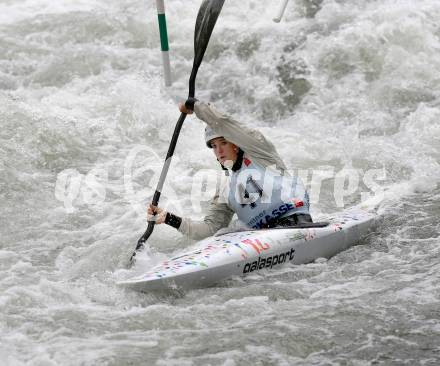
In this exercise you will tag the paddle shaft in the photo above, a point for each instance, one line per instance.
(161, 182)
(281, 10)
(205, 22)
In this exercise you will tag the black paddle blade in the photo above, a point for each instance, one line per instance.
(205, 22)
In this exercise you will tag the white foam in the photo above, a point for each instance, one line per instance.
(81, 88)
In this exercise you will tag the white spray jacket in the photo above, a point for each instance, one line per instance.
(255, 146)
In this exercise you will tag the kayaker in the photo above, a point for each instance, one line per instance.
(250, 161)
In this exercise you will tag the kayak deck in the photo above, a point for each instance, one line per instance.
(243, 252)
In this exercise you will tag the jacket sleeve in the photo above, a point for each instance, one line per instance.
(249, 140)
(219, 216)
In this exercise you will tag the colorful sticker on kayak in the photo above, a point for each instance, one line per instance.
(196, 259)
(309, 234)
(296, 236)
(254, 244)
(337, 227)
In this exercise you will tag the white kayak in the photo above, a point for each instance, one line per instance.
(240, 253)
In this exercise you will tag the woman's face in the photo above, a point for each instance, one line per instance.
(224, 150)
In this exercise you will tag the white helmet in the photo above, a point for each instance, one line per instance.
(210, 134)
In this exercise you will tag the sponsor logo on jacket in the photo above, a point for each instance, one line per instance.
(259, 221)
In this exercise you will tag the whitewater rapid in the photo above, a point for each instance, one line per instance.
(338, 86)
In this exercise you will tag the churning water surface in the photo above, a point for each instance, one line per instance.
(85, 123)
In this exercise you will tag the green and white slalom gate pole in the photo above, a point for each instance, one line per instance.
(164, 41)
(283, 5)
